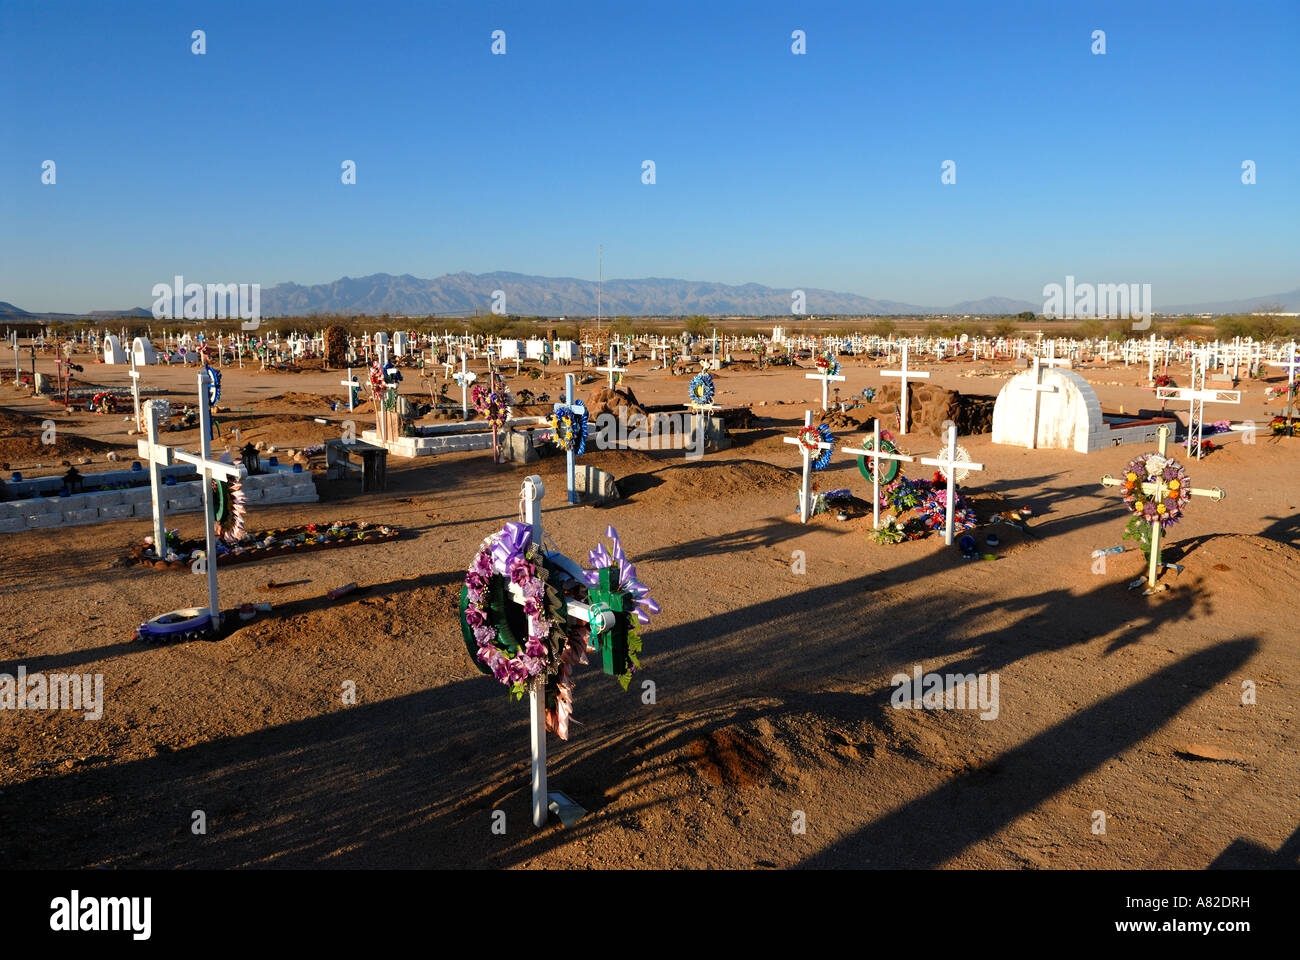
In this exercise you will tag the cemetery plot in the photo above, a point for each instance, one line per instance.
(764, 686)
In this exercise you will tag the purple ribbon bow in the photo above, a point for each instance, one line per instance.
(600, 557)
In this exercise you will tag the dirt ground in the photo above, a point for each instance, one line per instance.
(771, 663)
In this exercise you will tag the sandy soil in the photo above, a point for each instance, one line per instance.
(771, 687)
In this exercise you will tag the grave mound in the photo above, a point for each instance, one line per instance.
(20, 439)
(296, 400)
(707, 481)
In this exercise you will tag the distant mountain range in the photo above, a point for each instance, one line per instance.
(459, 294)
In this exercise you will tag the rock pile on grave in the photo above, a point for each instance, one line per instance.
(336, 347)
(928, 407)
(604, 400)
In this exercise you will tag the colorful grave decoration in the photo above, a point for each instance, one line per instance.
(1159, 503)
(229, 503)
(492, 402)
(1156, 488)
(518, 616)
(569, 425)
(104, 402)
(919, 508)
(214, 385)
(828, 365)
(702, 389)
(263, 544)
(888, 473)
(812, 437)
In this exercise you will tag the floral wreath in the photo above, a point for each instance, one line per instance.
(866, 464)
(104, 403)
(214, 385)
(828, 365)
(493, 405)
(509, 562)
(810, 436)
(513, 655)
(1169, 474)
(228, 507)
(569, 424)
(702, 389)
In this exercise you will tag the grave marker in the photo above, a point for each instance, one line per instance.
(904, 375)
(948, 466)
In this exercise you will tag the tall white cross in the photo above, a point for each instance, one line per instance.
(805, 488)
(1196, 398)
(349, 383)
(904, 375)
(159, 456)
(1039, 388)
(531, 499)
(1155, 488)
(876, 454)
(826, 379)
(209, 470)
(949, 465)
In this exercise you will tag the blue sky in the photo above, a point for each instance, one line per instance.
(821, 170)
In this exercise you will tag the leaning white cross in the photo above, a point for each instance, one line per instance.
(805, 488)
(209, 470)
(826, 379)
(876, 455)
(949, 466)
(159, 456)
(904, 375)
(531, 500)
(1039, 388)
(1196, 398)
(1155, 488)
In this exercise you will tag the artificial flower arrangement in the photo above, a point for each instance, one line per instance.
(1281, 427)
(1164, 380)
(515, 623)
(827, 365)
(926, 501)
(1163, 505)
(810, 437)
(569, 427)
(702, 389)
(255, 545)
(492, 402)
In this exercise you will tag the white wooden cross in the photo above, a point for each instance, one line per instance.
(876, 455)
(209, 470)
(135, 391)
(949, 465)
(826, 379)
(349, 383)
(805, 488)
(904, 375)
(531, 500)
(464, 378)
(1291, 362)
(612, 367)
(1039, 388)
(1155, 488)
(1196, 398)
(159, 455)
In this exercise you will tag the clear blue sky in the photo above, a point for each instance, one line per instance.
(820, 170)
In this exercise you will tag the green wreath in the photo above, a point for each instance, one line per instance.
(890, 473)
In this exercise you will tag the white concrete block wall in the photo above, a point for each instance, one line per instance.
(101, 507)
